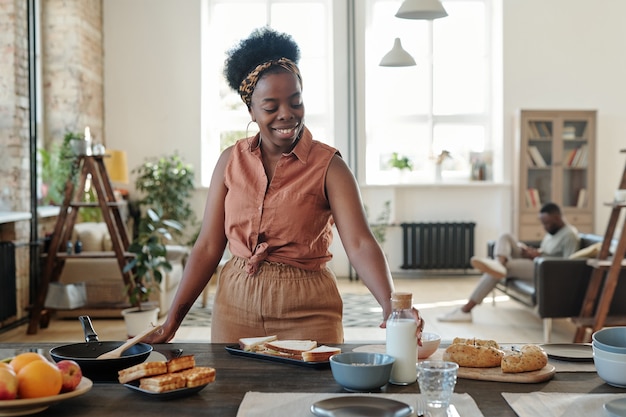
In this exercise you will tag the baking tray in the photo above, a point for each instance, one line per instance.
(237, 351)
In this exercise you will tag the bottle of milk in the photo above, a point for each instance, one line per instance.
(402, 339)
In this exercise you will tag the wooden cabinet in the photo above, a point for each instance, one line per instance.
(556, 163)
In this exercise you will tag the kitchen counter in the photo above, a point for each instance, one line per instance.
(236, 375)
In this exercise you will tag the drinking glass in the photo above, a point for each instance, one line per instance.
(436, 380)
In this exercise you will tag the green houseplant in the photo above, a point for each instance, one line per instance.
(167, 182)
(150, 260)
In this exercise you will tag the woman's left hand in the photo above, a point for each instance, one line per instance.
(420, 324)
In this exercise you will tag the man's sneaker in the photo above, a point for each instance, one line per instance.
(457, 316)
(489, 266)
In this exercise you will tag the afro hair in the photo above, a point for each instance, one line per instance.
(264, 44)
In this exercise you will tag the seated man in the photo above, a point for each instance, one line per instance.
(515, 259)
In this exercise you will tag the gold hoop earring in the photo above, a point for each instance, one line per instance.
(248, 127)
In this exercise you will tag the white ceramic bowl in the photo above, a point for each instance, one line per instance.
(430, 343)
(612, 372)
(611, 339)
(361, 371)
(604, 354)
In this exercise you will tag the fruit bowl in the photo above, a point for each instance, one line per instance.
(35, 405)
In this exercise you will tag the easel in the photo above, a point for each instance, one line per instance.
(88, 166)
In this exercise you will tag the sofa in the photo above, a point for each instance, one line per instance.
(560, 285)
(106, 292)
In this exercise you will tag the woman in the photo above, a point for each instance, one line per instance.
(274, 198)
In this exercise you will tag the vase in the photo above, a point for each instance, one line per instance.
(438, 173)
(139, 320)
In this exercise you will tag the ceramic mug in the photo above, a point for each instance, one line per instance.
(620, 195)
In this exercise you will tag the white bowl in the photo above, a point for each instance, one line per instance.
(430, 343)
(604, 354)
(611, 339)
(612, 372)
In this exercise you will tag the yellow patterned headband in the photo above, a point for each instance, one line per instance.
(247, 86)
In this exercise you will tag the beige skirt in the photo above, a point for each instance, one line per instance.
(280, 300)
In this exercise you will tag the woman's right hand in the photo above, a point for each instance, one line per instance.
(163, 335)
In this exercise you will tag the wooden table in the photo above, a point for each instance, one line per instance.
(237, 375)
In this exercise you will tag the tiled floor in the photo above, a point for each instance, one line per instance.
(506, 321)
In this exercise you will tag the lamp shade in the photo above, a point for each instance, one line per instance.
(421, 9)
(117, 166)
(397, 57)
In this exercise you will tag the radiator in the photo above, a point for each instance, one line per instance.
(437, 245)
(8, 293)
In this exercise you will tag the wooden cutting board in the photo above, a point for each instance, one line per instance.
(496, 374)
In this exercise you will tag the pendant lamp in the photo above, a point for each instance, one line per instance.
(397, 57)
(421, 9)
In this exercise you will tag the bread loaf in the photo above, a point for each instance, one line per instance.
(528, 358)
(473, 356)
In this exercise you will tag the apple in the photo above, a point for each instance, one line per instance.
(72, 374)
(8, 384)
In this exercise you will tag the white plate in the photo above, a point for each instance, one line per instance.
(616, 408)
(361, 406)
(571, 352)
(35, 405)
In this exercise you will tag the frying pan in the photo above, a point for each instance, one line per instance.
(85, 354)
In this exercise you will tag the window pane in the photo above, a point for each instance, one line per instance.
(460, 85)
(445, 98)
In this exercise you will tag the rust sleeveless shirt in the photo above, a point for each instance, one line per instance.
(287, 221)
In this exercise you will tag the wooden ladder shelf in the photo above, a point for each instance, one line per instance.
(595, 308)
(92, 168)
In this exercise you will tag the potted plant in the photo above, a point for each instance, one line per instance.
(147, 268)
(167, 182)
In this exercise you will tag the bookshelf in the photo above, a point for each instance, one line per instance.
(557, 164)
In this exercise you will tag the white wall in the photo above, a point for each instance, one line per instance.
(558, 54)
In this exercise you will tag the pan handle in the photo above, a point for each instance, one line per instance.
(90, 333)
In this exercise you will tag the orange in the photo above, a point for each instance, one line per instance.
(23, 359)
(39, 379)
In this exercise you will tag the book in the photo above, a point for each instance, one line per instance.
(536, 155)
(582, 198)
(570, 157)
(532, 126)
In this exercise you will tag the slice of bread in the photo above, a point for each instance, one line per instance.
(178, 364)
(255, 344)
(141, 370)
(292, 347)
(198, 375)
(162, 383)
(320, 353)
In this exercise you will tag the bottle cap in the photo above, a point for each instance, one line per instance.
(401, 300)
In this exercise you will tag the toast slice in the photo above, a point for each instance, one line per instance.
(255, 344)
(291, 347)
(163, 383)
(320, 353)
(141, 370)
(199, 375)
(181, 363)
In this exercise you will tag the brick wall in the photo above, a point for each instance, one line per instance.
(72, 84)
(72, 69)
(14, 149)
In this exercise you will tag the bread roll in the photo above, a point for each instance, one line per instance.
(475, 342)
(473, 356)
(528, 358)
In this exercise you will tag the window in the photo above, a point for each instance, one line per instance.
(441, 104)
(225, 117)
